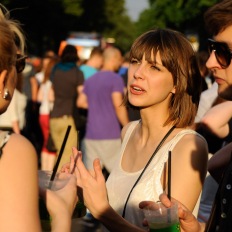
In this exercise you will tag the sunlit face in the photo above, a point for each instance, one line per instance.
(223, 76)
(149, 84)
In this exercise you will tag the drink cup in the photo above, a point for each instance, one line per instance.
(161, 218)
(59, 182)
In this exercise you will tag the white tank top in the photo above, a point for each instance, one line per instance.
(149, 186)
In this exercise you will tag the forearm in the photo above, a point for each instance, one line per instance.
(122, 115)
(217, 118)
(219, 162)
(61, 223)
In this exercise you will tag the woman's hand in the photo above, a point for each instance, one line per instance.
(188, 222)
(61, 203)
(92, 185)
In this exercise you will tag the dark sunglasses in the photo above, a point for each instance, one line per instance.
(222, 52)
(20, 63)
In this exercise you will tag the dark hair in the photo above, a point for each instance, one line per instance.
(218, 17)
(49, 68)
(69, 54)
(202, 57)
(178, 56)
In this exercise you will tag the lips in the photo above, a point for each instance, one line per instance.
(219, 80)
(137, 90)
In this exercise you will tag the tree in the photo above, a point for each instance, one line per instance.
(47, 22)
(182, 15)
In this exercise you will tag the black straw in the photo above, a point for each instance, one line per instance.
(60, 154)
(169, 174)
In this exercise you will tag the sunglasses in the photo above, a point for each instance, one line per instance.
(20, 63)
(222, 52)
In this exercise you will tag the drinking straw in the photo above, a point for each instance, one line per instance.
(169, 175)
(60, 154)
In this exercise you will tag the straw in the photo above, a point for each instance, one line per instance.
(60, 154)
(169, 175)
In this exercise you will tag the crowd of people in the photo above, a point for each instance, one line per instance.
(127, 114)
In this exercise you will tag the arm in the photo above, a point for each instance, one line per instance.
(34, 89)
(191, 154)
(217, 118)
(206, 101)
(60, 205)
(82, 101)
(92, 183)
(120, 109)
(219, 162)
(19, 188)
(188, 223)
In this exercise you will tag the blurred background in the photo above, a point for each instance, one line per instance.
(89, 23)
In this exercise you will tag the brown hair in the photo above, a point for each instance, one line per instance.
(178, 56)
(69, 54)
(49, 68)
(11, 34)
(218, 17)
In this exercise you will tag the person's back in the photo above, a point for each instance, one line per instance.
(103, 96)
(102, 120)
(67, 82)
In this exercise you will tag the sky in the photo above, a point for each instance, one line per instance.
(134, 8)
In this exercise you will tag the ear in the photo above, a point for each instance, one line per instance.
(3, 76)
(173, 90)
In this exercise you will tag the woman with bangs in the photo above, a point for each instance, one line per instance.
(164, 84)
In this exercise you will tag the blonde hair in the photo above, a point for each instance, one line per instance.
(11, 39)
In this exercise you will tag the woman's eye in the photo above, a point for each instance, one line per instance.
(155, 67)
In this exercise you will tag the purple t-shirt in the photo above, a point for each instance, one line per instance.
(102, 122)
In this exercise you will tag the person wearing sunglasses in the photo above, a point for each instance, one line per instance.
(19, 191)
(218, 21)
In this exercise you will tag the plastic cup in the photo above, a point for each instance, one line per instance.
(60, 180)
(161, 218)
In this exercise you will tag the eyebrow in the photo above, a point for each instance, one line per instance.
(229, 43)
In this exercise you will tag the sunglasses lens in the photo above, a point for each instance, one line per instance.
(20, 63)
(222, 53)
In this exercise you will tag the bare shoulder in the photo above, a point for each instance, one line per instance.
(19, 151)
(193, 143)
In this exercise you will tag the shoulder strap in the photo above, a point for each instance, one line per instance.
(144, 169)
(4, 141)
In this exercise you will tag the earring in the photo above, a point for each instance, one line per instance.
(6, 94)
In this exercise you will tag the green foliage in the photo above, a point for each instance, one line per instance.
(72, 7)
(179, 14)
(47, 22)
(120, 26)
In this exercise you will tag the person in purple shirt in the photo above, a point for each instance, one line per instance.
(103, 96)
